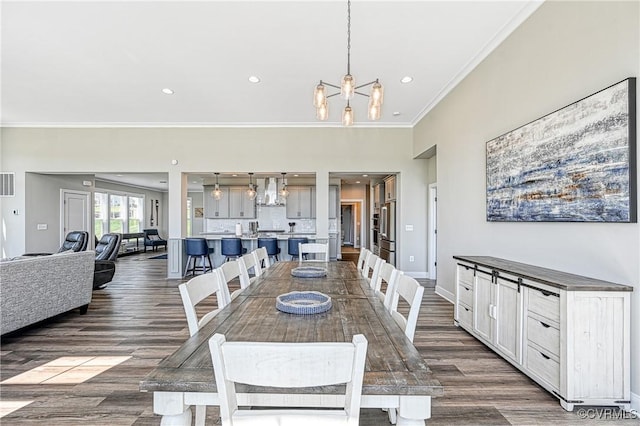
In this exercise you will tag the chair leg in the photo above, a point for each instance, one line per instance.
(201, 414)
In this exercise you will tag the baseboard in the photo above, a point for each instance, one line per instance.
(419, 274)
(635, 402)
(445, 294)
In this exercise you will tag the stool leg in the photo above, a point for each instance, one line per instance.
(186, 271)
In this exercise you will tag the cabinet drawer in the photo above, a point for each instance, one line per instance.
(543, 334)
(465, 274)
(544, 304)
(465, 293)
(543, 366)
(465, 317)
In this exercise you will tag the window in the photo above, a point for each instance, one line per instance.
(118, 213)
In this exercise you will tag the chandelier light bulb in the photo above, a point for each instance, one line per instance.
(348, 87)
(374, 111)
(251, 192)
(216, 193)
(347, 116)
(377, 94)
(319, 95)
(322, 113)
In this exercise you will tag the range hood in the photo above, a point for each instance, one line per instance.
(268, 192)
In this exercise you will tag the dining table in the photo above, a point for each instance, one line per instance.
(396, 376)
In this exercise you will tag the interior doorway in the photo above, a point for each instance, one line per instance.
(76, 209)
(351, 228)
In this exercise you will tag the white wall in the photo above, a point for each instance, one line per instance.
(305, 150)
(562, 53)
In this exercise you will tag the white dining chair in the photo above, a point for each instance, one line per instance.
(411, 292)
(230, 271)
(315, 249)
(289, 365)
(249, 263)
(364, 253)
(371, 268)
(193, 292)
(387, 274)
(263, 258)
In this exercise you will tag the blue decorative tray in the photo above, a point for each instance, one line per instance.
(303, 302)
(309, 272)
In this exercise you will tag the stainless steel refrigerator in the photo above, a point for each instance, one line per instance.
(388, 232)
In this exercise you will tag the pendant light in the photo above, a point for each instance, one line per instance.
(251, 192)
(284, 192)
(348, 89)
(216, 193)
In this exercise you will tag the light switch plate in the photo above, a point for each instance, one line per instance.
(42, 226)
(408, 227)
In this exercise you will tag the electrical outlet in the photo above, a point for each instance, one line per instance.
(412, 259)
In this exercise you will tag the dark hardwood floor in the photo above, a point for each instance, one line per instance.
(139, 315)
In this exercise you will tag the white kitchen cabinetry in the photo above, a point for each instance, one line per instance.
(569, 333)
(378, 197)
(240, 206)
(216, 209)
(389, 189)
(299, 202)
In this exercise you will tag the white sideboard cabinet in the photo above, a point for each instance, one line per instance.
(569, 333)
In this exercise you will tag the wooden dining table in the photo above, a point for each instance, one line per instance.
(396, 376)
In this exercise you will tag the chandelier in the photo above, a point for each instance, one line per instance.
(284, 192)
(251, 191)
(216, 193)
(348, 89)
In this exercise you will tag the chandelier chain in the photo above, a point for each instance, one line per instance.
(349, 37)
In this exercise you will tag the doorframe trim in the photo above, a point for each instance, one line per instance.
(432, 231)
(360, 202)
(87, 194)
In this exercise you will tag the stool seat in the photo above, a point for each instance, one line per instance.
(197, 248)
(232, 248)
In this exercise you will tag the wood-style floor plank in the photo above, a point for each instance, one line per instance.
(140, 315)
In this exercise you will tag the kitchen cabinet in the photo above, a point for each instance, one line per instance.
(378, 197)
(333, 202)
(569, 333)
(299, 202)
(240, 206)
(389, 189)
(216, 209)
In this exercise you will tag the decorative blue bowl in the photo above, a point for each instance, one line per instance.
(309, 272)
(303, 302)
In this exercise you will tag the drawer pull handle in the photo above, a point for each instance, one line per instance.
(466, 309)
(544, 356)
(544, 325)
(466, 288)
(546, 293)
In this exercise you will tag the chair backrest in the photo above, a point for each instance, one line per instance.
(270, 244)
(411, 292)
(262, 255)
(231, 246)
(75, 241)
(196, 290)
(371, 268)
(389, 274)
(196, 246)
(288, 365)
(248, 262)
(108, 246)
(293, 245)
(314, 248)
(229, 271)
(364, 253)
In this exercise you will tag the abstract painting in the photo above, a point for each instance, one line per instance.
(576, 164)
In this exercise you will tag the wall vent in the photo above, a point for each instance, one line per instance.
(7, 184)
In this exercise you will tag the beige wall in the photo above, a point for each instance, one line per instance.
(312, 150)
(562, 53)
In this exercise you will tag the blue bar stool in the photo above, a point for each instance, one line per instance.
(293, 246)
(232, 248)
(271, 244)
(197, 248)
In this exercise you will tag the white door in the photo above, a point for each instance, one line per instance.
(432, 231)
(75, 213)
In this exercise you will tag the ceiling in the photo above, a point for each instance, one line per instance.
(87, 63)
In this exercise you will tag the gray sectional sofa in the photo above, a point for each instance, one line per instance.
(33, 289)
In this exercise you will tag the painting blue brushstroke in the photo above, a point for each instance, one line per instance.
(569, 166)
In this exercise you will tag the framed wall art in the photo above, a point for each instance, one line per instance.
(576, 164)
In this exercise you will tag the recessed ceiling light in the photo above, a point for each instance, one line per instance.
(167, 91)
(254, 79)
(119, 175)
(396, 113)
(406, 79)
(365, 175)
(357, 181)
(296, 175)
(234, 175)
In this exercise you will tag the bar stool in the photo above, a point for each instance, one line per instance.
(232, 248)
(293, 246)
(197, 248)
(271, 244)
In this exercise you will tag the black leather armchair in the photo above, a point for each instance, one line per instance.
(74, 241)
(106, 254)
(152, 239)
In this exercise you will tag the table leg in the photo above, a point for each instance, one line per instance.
(413, 410)
(171, 406)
